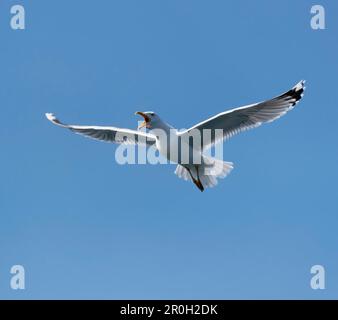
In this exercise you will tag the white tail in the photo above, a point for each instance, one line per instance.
(209, 171)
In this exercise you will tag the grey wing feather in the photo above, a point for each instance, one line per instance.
(108, 134)
(247, 117)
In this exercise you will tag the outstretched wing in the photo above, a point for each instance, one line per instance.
(247, 117)
(108, 134)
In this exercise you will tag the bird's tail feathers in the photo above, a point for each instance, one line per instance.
(208, 172)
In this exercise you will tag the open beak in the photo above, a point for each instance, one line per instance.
(146, 122)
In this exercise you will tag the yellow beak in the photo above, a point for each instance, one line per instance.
(146, 122)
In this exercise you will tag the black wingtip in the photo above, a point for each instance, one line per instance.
(296, 93)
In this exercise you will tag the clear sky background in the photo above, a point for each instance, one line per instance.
(85, 227)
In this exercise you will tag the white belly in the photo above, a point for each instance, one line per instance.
(173, 149)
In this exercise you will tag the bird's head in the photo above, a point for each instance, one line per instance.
(150, 119)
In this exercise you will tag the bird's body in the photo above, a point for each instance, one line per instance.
(187, 148)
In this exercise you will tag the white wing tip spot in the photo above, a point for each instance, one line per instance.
(300, 85)
(50, 117)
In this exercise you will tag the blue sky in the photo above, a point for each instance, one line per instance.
(85, 227)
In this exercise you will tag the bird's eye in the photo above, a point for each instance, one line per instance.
(152, 114)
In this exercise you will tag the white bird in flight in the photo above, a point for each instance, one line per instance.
(206, 172)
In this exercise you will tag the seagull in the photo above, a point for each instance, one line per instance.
(203, 173)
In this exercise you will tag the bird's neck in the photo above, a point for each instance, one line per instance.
(163, 126)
